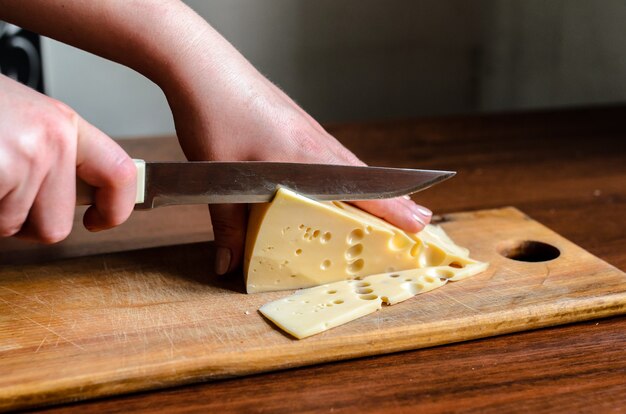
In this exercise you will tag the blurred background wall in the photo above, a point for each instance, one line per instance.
(346, 60)
(552, 53)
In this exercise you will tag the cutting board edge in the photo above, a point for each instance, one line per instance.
(539, 316)
(505, 211)
(512, 212)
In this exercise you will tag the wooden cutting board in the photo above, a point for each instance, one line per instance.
(117, 323)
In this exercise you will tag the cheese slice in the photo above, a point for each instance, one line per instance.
(295, 242)
(314, 310)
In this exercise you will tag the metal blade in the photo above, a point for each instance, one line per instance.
(172, 183)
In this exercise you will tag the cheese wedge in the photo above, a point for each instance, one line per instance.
(295, 242)
(314, 310)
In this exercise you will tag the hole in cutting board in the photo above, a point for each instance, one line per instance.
(529, 251)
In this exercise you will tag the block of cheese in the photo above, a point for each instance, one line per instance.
(314, 310)
(295, 242)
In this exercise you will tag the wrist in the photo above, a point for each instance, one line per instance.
(164, 49)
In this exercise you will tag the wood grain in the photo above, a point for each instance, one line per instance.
(570, 369)
(565, 168)
(102, 325)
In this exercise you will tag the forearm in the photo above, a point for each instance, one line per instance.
(158, 39)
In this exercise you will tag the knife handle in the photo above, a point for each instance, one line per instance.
(84, 192)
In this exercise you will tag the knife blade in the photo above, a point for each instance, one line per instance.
(208, 182)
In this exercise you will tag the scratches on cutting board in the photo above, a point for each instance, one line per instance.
(41, 343)
(547, 276)
(33, 298)
(511, 270)
(459, 302)
(22, 311)
(13, 307)
(169, 339)
(47, 328)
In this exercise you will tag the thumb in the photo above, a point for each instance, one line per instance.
(229, 227)
(103, 164)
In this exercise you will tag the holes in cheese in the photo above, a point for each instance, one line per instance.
(354, 251)
(355, 267)
(324, 242)
(307, 313)
(355, 236)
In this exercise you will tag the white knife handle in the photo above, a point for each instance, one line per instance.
(84, 192)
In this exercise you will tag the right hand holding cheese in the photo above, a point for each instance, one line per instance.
(239, 115)
(44, 145)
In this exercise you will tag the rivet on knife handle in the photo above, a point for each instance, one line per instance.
(84, 192)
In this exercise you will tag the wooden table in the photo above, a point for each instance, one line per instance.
(566, 169)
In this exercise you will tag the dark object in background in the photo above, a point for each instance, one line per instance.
(20, 55)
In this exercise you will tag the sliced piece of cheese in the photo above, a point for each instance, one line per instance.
(314, 310)
(295, 242)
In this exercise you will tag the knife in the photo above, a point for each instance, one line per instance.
(208, 182)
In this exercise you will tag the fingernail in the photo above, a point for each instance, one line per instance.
(406, 197)
(419, 220)
(424, 211)
(222, 260)
(421, 211)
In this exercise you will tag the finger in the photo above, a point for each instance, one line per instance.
(103, 164)
(52, 213)
(229, 227)
(16, 204)
(400, 212)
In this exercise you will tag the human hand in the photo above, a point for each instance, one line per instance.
(44, 145)
(225, 110)
(223, 107)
